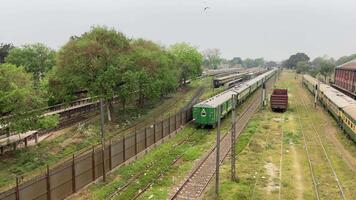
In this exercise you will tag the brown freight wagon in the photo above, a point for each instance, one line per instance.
(345, 77)
(279, 100)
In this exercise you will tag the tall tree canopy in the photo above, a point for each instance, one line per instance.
(188, 60)
(154, 70)
(19, 102)
(212, 58)
(236, 61)
(4, 51)
(302, 67)
(291, 63)
(94, 61)
(35, 58)
(345, 59)
(326, 67)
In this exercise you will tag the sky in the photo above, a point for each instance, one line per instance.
(273, 29)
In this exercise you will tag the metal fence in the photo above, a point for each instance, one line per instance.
(71, 176)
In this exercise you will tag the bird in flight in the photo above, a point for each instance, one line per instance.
(206, 8)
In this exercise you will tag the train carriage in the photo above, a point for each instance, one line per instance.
(205, 113)
(341, 106)
(348, 117)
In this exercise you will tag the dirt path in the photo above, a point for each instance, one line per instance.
(299, 187)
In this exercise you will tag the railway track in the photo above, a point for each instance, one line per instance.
(151, 166)
(259, 170)
(321, 145)
(193, 186)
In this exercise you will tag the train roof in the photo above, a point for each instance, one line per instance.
(351, 65)
(229, 76)
(350, 110)
(216, 100)
(340, 99)
(310, 79)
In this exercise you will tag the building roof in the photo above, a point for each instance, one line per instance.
(351, 65)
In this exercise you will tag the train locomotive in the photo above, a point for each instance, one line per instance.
(205, 113)
(339, 105)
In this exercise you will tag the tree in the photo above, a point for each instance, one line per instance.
(236, 61)
(212, 57)
(302, 67)
(326, 67)
(345, 59)
(35, 58)
(126, 91)
(155, 70)
(20, 103)
(4, 51)
(291, 63)
(271, 64)
(188, 60)
(94, 61)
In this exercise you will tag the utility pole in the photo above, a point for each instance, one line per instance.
(263, 94)
(233, 138)
(102, 136)
(217, 154)
(316, 93)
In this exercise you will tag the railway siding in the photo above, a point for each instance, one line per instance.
(296, 178)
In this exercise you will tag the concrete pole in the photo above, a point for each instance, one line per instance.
(263, 94)
(102, 136)
(316, 93)
(233, 138)
(217, 154)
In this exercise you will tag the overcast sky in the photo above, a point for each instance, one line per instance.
(272, 29)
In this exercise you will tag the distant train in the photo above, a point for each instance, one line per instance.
(205, 113)
(228, 79)
(341, 106)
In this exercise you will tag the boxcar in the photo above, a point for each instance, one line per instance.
(345, 77)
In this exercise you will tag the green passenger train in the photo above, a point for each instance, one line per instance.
(339, 105)
(205, 113)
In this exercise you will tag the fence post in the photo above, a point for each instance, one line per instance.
(93, 162)
(26, 138)
(162, 128)
(73, 175)
(154, 133)
(181, 118)
(169, 123)
(186, 115)
(135, 143)
(145, 138)
(123, 145)
(175, 121)
(17, 189)
(48, 184)
(110, 164)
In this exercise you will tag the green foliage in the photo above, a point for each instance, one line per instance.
(302, 67)
(93, 61)
(153, 68)
(291, 63)
(248, 62)
(236, 61)
(212, 58)
(345, 59)
(188, 60)
(35, 58)
(326, 67)
(19, 102)
(4, 51)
